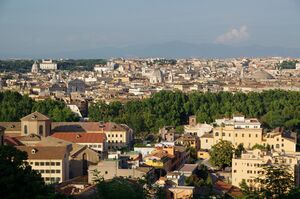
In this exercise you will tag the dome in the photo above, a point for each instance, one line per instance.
(261, 75)
(35, 67)
(156, 76)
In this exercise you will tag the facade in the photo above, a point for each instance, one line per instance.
(76, 85)
(35, 67)
(48, 64)
(109, 169)
(194, 128)
(95, 141)
(167, 133)
(37, 124)
(249, 166)
(248, 132)
(118, 135)
(189, 141)
(51, 162)
(156, 76)
(168, 158)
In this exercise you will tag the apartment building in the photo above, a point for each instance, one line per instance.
(189, 141)
(248, 131)
(48, 64)
(250, 166)
(118, 135)
(50, 161)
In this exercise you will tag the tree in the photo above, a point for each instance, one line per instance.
(18, 180)
(221, 154)
(119, 187)
(277, 181)
(238, 151)
(247, 192)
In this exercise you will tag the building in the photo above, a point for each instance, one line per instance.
(48, 64)
(80, 156)
(109, 169)
(250, 166)
(248, 132)
(118, 135)
(95, 141)
(167, 133)
(180, 192)
(51, 162)
(35, 67)
(76, 85)
(156, 76)
(194, 128)
(168, 158)
(189, 141)
(35, 123)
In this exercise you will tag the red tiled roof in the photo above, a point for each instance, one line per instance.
(12, 141)
(81, 137)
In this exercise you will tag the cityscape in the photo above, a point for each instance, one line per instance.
(90, 113)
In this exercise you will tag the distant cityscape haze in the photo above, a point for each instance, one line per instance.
(36, 29)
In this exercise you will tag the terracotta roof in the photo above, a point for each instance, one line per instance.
(11, 126)
(35, 116)
(44, 152)
(76, 127)
(12, 141)
(111, 126)
(81, 137)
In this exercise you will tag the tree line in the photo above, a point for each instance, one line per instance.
(274, 108)
(14, 106)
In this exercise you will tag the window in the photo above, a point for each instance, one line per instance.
(47, 163)
(282, 140)
(42, 171)
(52, 171)
(47, 179)
(121, 141)
(41, 130)
(249, 135)
(206, 140)
(25, 129)
(277, 139)
(217, 134)
(121, 135)
(256, 135)
(52, 179)
(223, 134)
(57, 163)
(52, 163)
(282, 145)
(236, 135)
(57, 171)
(47, 171)
(57, 179)
(106, 172)
(108, 135)
(243, 135)
(116, 135)
(37, 164)
(229, 134)
(42, 163)
(277, 146)
(112, 135)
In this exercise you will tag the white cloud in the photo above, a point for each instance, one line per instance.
(235, 35)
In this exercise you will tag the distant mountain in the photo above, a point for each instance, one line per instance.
(174, 49)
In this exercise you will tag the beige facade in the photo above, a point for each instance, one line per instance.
(35, 123)
(250, 166)
(109, 169)
(249, 133)
(51, 162)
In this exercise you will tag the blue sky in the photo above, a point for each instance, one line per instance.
(47, 26)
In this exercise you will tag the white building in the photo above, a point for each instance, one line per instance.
(48, 64)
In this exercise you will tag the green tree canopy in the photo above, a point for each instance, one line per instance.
(221, 154)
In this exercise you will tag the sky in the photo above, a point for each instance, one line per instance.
(47, 26)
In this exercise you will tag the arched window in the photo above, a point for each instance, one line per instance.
(41, 130)
(25, 129)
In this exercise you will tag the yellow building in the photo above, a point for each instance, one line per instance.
(52, 162)
(250, 165)
(189, 141)
(248, 132)
(180, 192)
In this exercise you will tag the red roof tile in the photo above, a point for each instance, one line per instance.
(81, 137)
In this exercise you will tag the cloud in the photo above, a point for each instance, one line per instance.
(233, 36)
